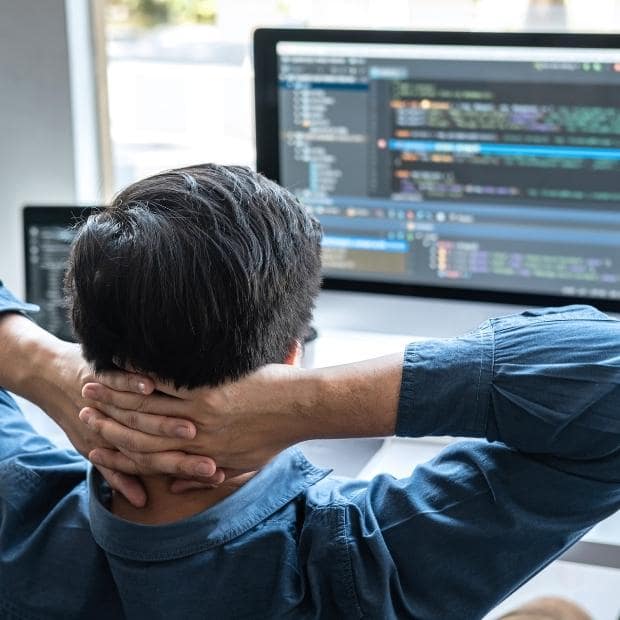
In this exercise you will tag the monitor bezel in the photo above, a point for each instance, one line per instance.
(267, 139)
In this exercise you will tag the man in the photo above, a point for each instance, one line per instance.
(202, 275)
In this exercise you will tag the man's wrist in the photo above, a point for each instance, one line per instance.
(28, 357)
(308, 393)
(354, 400)
(18, 351)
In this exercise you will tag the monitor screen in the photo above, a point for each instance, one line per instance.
(48, 234)
(488, 168)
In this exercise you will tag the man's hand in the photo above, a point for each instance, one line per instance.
(62, 400)
(71, 374)
(239, 438)
(242, 425)
(51, 374)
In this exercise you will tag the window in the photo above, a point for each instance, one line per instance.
(180, 71)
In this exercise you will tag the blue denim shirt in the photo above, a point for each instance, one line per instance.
(450, 541)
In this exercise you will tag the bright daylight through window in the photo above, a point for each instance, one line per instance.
(180, 71)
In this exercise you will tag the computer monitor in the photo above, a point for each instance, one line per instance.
(476, 166)
(48, 234)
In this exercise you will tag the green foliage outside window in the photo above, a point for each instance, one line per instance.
(149, 13)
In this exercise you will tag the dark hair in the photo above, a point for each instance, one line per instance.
(196, 275)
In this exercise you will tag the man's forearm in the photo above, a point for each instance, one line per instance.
(242, 425)
(41, 368)
(354, 400)
(50, 373)
(26, 352)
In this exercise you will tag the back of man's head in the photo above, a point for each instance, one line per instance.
(196, 275)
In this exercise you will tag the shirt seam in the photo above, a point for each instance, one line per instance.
(502, 325)
(487, 348)
(192, 548)
(406, 398)
(349, 562)
(477, 421)
(486, 343)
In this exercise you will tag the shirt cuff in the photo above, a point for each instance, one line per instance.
(445, 388)
(10, 303)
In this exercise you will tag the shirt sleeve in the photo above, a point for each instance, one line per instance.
(17, 437)
(544, 381)
(10, 303)
(20, 444)
(472, 525)
(466, 529)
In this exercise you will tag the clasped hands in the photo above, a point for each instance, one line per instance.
(197, 437)
(132, 425)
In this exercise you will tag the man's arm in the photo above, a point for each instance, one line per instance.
(241, 425)
(471, 526)
(51, 373)
(513, 380)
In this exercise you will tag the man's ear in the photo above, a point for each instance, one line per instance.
(294, 355)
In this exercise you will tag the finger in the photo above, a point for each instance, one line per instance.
(168, 388)
(159, 425)
(175, 463)
(153, 403)
(127, 381)
(122, 437)
(181, 486)
(130, 487)
(111, 459)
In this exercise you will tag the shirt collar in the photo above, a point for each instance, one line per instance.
(283, 479)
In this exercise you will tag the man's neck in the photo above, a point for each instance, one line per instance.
(165, 507)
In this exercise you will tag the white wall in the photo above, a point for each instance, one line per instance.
(36, 132)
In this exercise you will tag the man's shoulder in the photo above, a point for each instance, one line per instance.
(46, 547)
(43, 495)
(33, 483)
(19, 440)
(33, 470)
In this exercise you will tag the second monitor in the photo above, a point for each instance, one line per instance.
(48, 234)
